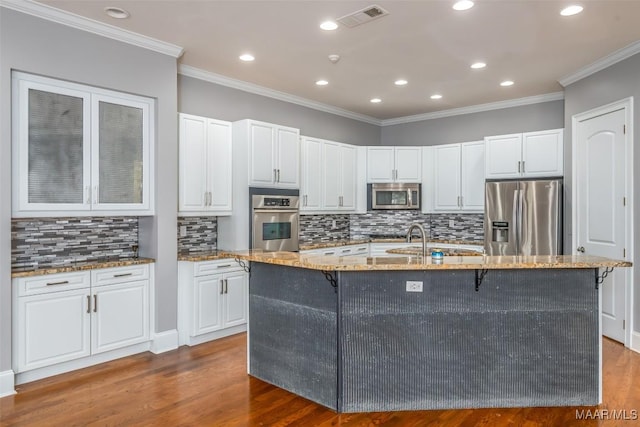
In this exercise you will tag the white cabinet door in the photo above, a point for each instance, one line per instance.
(219, 162)
(207, 294)
(332, 165)
(503, 156)
(472, 176)
(348, 176)
(51, 146)
(121, 315)
(193, 162)
(235, 299)
(447, 177)
(408, 164)
(311, 182)
(288, 157)
(262, 148)
(380, 164)
(120, 166)
(52, 328)
(542, 153)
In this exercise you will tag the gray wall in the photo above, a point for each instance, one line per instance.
(208, 99)
(609, 85)
(475, 126)
(38, 46)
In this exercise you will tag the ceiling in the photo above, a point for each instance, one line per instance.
(425, 42)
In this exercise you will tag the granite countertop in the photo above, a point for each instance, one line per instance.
(417, 250)
(78, 266)
(337, 243)
(363, 263)
(209, 255)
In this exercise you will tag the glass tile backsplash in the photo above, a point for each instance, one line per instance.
(60, 241)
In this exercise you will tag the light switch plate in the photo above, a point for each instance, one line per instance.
(183, 231)
(414, 286)
(452, 223)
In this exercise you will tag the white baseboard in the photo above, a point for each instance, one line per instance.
(164, 341)
(7, 386)
(200, 339)
(635, 341)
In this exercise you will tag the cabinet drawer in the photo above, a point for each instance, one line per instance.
(214, 267)
(52, 283)
(109, 276)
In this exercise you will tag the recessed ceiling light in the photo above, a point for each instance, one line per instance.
(322, 82)
(506, 83)
(436, 96)
(401, 82)
(116, 12)
(247, 57)
(463, 5)
(478, 65)
(329, 25)
(376, 100)
(571, 10)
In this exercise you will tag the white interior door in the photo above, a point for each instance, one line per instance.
(601, 222)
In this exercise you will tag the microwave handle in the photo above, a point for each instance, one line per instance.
(409, 197)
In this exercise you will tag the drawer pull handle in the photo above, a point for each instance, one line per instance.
(64, 282)
(224, 266)
(221, 286)
(95, 303)
(329, 253)
(346, 251)
(88, 303)
(123, 275)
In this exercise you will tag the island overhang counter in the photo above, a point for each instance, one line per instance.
(363, 334)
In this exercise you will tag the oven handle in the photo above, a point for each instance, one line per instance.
(275, 211)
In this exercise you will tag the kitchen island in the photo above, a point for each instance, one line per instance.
(365, 334)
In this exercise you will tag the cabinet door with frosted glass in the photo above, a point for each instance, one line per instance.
(51, 134)
(120, 161)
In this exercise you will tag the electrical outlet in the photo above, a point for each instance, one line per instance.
(334, 224)
(452, 223)
(183, 231)
(414, 286)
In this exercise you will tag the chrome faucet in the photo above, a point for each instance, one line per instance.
(422, 233)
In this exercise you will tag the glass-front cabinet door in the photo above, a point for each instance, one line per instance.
(120, 142)
(79, 149)
(51, 163)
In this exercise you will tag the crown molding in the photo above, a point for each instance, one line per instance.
(208, 76)
(555, 96)
(601, 64)
(92, 26)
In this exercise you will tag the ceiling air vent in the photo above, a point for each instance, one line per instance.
(363, 16)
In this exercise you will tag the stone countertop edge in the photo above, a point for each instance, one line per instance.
(338, 243)
(79, 266)
(386, 263)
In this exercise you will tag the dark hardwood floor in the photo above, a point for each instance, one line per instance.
(207, 385)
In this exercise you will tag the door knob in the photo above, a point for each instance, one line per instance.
(581, 249)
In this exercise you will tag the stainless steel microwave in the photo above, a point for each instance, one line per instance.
(394, 196)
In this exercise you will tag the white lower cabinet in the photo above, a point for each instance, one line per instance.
(213, 300)
(68, 316)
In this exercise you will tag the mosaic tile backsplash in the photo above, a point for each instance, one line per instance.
(60, 241)
(323, 228)
(319, 228)
(201, 234)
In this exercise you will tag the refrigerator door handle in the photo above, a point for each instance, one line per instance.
(516, 218)
(520, 220)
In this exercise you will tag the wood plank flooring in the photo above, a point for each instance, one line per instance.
(207, 385)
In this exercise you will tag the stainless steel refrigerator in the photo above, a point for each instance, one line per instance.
(523, 217)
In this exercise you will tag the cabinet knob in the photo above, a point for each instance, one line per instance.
(580, 249)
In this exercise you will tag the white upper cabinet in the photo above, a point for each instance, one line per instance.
(339, 170)
(274, 155)
(205, 166)
(394, 164)
(329, 171)
(459, 177)
(543, 153)
(311, 177)
(80, 150)
(525, 155)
